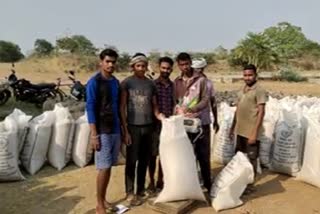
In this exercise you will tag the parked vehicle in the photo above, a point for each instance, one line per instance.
(24, 90)
(77, 89)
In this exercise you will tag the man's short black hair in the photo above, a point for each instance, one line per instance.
(108, 52)
(166, 59)
(139, 54)
(183, 56)
(250, 67)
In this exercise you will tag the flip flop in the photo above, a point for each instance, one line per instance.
(135, 202)
(112, 209)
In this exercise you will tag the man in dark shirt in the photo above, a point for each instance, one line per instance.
(103, 116)
(166, 104)
(138, 108)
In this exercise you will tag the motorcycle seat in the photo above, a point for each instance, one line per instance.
(43, 86)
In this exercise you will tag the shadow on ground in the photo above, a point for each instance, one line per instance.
(37, 196)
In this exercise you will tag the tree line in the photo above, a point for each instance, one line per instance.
(274, 46)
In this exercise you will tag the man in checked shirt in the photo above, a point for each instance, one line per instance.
(166, 103)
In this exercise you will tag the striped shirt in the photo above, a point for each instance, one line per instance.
(165, 97)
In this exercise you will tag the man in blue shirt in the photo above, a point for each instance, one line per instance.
(103, 116)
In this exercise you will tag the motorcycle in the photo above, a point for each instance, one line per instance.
(77, 89)
(24, 90)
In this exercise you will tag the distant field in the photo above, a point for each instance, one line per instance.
(50, 70)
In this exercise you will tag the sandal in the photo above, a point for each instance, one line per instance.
(135, 202)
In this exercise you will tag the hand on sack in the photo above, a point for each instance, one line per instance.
(216, 127)
(231, 134)
(190, 115)
(161, 117)
(180, 110)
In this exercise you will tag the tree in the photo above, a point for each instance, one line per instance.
(67, 44)
(311, 48)
(123, 62)
(76, 44)
(287, 40)
(9, 52)
(275, 44)
(42, 47)
(254, 49)
(84, 45)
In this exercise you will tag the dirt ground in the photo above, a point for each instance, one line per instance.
(73, 191)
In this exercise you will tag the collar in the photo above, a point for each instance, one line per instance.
(194, 76)
(203, 75)
(158, 81)
(100, 75)
(253, 87)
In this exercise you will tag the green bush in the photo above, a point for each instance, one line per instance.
(123, 62)
(290, 76)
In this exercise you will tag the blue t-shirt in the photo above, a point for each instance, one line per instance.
(91, 104)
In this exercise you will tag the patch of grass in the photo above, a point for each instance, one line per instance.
(290, 76)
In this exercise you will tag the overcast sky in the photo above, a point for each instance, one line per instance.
(144, 25)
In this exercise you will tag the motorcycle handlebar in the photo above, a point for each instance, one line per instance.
(71, 78)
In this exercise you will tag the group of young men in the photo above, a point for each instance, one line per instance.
(131, 112)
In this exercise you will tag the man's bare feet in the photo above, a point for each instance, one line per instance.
(133, 200)
(109, 207)
(100, 210)
(107, 204)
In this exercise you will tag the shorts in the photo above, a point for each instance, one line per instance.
(252, 150)
(109, 151)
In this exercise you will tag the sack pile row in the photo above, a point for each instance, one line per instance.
(289, 144)
(53, 137)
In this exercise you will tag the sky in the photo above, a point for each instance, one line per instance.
(148, 25)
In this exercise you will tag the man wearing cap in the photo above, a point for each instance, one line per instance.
(204, 159)
(199, 66)
(138, 106)
(149, 73)
(192, 98)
